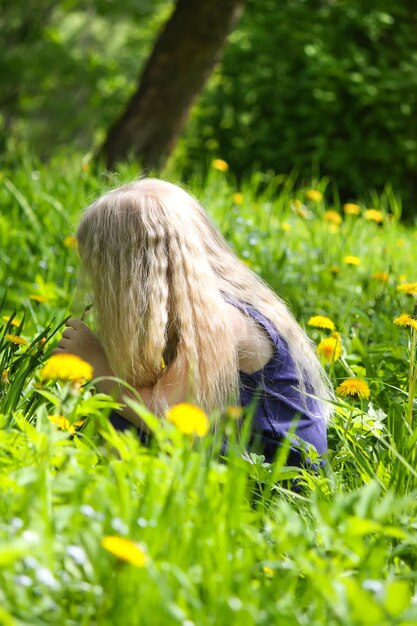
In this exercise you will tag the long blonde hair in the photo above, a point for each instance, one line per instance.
(157, 269)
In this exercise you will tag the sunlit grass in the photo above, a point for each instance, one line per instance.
(95, 528)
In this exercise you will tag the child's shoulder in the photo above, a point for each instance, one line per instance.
(254, 345)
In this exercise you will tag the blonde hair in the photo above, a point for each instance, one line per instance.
(158, 268)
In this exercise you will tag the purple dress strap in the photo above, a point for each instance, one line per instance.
(274, 391)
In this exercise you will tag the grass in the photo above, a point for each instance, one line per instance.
(216, 541)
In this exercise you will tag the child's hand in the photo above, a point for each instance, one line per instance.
(78, 339)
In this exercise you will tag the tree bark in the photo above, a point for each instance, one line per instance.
(184, 55)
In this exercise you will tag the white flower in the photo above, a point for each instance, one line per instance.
(78, 554)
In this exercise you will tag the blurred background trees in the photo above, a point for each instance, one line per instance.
(325, 87)
(181, 61)
(68, 67)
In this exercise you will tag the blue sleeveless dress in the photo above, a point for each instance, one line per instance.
(274, 400)
(278, 404)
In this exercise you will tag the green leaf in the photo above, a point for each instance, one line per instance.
(398, 596)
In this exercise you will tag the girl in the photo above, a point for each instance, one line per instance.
(181, 318)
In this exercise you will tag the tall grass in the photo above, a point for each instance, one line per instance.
(225, 539)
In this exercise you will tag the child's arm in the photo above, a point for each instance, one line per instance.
(78, 339)
(173, 390)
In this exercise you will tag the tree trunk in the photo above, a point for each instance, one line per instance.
(182, 59)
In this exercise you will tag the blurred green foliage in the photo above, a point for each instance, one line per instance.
(328, 87)
(313, 87)
(68, 67)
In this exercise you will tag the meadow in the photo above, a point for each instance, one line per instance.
(96, 529)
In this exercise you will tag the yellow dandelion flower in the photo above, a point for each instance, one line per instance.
(333, 217)
(189, 419)
(334, 269)
(406, 320)
(14, 321)
(234, 412)
(351, 260)
(330, 349)
(353, 387)
(286, 227)
(70, 242)
(314, 195)
(373, 215)
(381, 276)
(351, 209)
(19, 341)
(321, 321)
(66, 367)
(238, 198)
(408, 288)
(64, 424)
(220, 165)
(37, 298)
(125, 550)
(268, 571)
